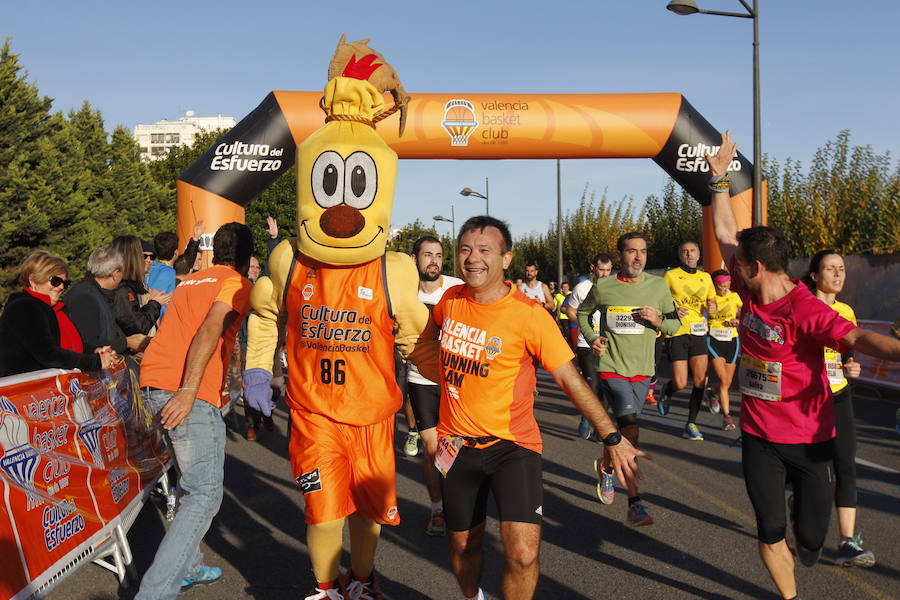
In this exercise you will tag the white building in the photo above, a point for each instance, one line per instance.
(155, 140)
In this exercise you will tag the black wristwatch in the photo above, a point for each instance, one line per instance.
(612, 439)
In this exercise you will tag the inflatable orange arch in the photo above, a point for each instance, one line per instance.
(664, 127)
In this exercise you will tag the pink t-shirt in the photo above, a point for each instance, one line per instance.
(782, 357)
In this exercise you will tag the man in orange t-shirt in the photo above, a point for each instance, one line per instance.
(182, 374)
(488, 437)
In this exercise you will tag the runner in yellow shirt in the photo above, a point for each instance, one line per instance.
(694, 294)
(723, 343)
(826, 279)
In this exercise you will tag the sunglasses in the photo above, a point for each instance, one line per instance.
(149, 256)
(56, 281)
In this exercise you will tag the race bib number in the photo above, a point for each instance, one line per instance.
(620, 320)
(723, 334)
(699, 328)
(760, 379)
(834, 368)
(447, 451)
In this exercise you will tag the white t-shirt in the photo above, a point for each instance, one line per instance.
(431, 299)
(535, 293)
(577, 297)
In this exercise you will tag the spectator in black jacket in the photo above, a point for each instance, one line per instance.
(91, 301)
(133, 316)
(35, 331)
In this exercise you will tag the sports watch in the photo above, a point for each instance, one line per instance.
(612, 439)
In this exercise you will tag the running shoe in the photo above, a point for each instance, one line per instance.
(852, 554)
(364, 590)
(727, 423)
(436, 527)
(663, 405)
(714, 406)
(333, 593)
(606, 482)
(205, 576)
(251, 434)
(638, 516)
(692, 432)
(650, 399)
(584, 429)
(411, 446)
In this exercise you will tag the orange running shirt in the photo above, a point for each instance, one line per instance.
(487, 366)
(165, 358)
(340, 342)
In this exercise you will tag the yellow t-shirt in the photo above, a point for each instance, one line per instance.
(690, 291)
(727, 307)
(833, 364)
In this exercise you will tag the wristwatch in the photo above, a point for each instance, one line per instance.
(612, 439)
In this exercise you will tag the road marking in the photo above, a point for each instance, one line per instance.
(876, 466)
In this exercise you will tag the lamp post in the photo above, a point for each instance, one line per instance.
(452, 221)
(470, 192)
(689, 7)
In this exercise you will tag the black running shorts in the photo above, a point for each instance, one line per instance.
(508, 471)
(730, 350)
(426, 403)
(682, 347)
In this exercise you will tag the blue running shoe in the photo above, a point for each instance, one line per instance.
(692, 432)
(584, 429)
(638, 516)
(663, 404)
(606, 482)
(205, 575)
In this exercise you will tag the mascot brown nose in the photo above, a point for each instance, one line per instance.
(342, 221)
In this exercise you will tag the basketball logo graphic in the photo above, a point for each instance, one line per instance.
(88, 427)
(20, 459)
(459, 121)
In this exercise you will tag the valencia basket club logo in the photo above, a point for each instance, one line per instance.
(20, 459)
(459, 121)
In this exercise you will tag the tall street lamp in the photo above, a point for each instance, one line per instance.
(452, 221)
(689, 7)
(470, 192)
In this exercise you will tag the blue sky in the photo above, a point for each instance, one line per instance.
(823, 70)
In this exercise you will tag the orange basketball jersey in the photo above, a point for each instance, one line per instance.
(487, 365)
(340, 342)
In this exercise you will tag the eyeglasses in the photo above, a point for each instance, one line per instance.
(57, 281)
(149, 256)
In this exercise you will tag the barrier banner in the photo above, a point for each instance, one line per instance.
(875, 370)
(77, 453)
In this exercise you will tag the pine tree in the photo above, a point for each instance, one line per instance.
(25, 121)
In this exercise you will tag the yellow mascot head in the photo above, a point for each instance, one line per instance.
(345, 171)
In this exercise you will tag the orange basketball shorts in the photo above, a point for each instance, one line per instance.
(344, 469)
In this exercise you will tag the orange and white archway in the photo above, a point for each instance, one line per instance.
(663, 127)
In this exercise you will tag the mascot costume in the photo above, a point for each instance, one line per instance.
(344, 305)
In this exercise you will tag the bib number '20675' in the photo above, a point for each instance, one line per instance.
(332, 371)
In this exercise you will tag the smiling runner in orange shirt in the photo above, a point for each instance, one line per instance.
(489, 442)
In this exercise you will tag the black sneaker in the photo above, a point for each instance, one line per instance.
(852, 554)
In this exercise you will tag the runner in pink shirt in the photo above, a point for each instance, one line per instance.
(787, 412)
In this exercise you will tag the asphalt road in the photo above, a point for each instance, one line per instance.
(702, 544)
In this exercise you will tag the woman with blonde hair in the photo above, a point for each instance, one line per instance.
(35, 331)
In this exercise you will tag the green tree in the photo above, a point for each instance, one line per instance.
(849, 200)
(672, 219)
(25, 124)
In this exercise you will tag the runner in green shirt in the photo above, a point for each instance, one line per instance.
(634, 305)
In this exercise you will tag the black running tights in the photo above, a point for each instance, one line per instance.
(768, 466)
